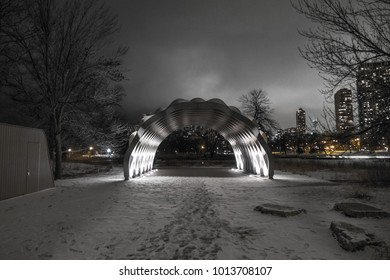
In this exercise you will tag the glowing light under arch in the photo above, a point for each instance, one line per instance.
(250, 149)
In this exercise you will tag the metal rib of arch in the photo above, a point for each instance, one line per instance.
(250, 149)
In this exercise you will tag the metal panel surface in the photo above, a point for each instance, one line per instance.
(23, 149)
(251, 151)
(33, 166)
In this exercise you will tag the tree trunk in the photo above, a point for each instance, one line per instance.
(58, 168)
(58, 146)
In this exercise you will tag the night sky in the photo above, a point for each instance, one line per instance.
(215, 49)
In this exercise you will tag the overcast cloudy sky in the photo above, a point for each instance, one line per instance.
(215, 49)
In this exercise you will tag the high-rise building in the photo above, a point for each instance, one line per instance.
(373, 95)
(301, 121)
(343, 110)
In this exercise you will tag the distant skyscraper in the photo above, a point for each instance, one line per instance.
(373, 93)
(343, 110)
(301, 121)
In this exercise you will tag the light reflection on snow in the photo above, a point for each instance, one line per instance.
(364, 157)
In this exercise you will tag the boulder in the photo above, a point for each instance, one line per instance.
(279, 210)
(359, 210)
(352, 238)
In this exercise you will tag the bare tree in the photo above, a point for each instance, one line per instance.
(349, 35)
(59, 64)
(97, 124)
(327, 123)
(257, 105)
(9, 11)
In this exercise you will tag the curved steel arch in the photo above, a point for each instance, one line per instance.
(250, 149)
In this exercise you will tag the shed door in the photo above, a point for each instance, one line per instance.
(33, 154)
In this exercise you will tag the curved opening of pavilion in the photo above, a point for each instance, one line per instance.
(195, 146)
(250, 149)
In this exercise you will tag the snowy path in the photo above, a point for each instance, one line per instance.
(164, 217)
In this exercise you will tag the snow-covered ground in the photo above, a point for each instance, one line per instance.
(76, 169)
(165, 217)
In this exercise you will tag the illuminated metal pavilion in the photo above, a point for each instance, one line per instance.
(250, 149)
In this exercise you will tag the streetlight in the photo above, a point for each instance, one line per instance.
(69, 153)
(91, 148)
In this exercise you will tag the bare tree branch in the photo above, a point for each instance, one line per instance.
(257, 105)
(349, 35)
(58, 65)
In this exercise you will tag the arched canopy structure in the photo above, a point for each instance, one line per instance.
(250, 149)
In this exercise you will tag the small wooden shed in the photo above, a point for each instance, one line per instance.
(24, 161)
